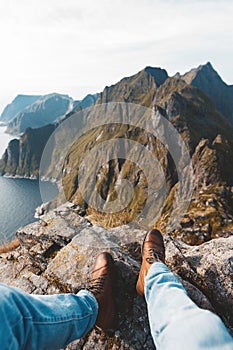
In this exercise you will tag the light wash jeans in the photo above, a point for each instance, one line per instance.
(176, 322)
(41, 322)
(44, 322)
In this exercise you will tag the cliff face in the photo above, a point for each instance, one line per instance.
(56, 255)
(22, 157)
(10, 159)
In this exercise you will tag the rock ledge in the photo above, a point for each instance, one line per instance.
(57, 253)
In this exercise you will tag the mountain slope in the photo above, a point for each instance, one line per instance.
(194, 115)
(17, 105)
(191, 112)
(207, 79)
(206, 132)
(139, 88)
(45, 110)
(87, 101)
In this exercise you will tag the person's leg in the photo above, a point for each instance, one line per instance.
(176, 322)
(44, 322)
(50, 322)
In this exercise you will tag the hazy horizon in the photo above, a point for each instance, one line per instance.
(78, 47)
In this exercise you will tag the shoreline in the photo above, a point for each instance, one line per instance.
(20, 177)
(32, 177)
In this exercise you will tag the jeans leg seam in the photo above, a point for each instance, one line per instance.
(63, 320)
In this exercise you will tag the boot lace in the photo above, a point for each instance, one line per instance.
(154, 255)
(97, 285)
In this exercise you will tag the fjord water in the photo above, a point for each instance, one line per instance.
(18, 198)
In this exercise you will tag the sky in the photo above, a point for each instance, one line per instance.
(78, 47)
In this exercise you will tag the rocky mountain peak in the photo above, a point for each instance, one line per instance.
(208, 80)
(202, 74)
(159, 74)
(139, 88)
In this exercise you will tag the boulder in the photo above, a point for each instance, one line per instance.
(56, 255)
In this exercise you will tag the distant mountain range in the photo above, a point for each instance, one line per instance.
(198, 104)
(36, 111)
(17, 106)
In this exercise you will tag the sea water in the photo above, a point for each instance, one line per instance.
(19, 198)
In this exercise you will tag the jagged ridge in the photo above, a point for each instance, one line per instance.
(208, 135)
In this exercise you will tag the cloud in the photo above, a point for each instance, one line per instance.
(50, 44)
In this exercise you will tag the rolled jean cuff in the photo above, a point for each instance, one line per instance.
(91, 300)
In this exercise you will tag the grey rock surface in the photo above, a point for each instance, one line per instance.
(56, 255)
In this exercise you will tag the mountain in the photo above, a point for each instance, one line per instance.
(139, 88)
(207, 79)
(35, 111)
(16, 106)
(56, 253)
(22, 157)
(206, 131)
(45, 110)
(86, 102)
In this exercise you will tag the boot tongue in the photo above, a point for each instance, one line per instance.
(94, 272)
(155, 244)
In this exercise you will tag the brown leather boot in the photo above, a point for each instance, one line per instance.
(102, 287)
(153, 250)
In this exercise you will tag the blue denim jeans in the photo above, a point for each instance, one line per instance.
(176, 322)
(47, 322)
(44, 322)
